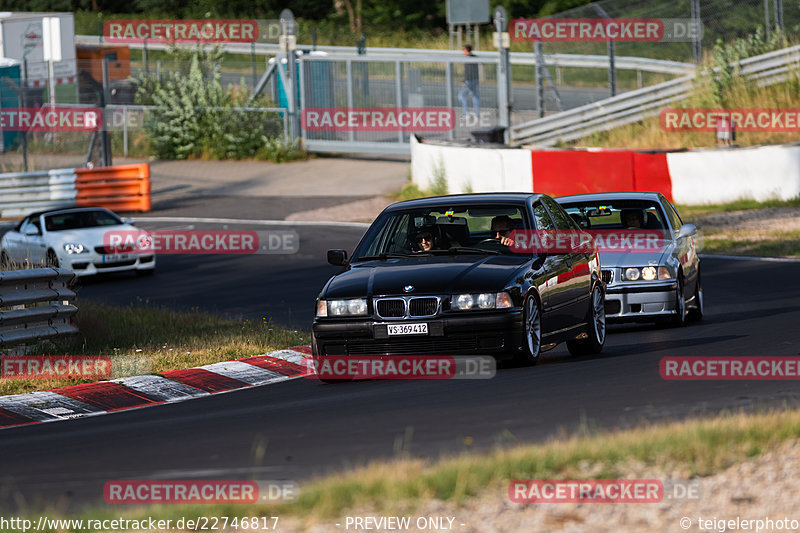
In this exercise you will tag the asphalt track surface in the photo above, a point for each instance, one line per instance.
(309, 428)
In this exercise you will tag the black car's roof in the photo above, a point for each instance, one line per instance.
(605, 196)
(467, 199)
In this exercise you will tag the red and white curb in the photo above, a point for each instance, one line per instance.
(103, 397)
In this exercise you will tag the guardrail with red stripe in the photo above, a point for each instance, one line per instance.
(120, 187)
(690, 177)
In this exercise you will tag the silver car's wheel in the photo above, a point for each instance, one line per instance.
(532, 339)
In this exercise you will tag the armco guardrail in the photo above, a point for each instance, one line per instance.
(35, 305)
(25, 192)
(634, 106)
(517, 58)
(122, 187)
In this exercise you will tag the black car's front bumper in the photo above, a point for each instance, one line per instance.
(497, 333)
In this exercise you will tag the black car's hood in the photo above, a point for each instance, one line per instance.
(428, 275)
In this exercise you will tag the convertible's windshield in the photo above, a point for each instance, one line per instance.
(454, 229)
(80, 219)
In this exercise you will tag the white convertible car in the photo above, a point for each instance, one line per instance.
(72, 238)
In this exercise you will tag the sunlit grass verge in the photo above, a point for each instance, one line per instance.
(163, 339)
(692, 212)
(694, 448)
(773, 244)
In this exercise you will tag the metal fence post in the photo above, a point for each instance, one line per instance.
(398, 72)
(125, 131)
(503, 74)
(349, 74)
(448, 79)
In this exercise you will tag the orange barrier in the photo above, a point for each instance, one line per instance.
(121, 187)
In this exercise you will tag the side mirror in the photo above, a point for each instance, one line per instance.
(687, 230)
(337, 257)
(127, 220)
(32, 230)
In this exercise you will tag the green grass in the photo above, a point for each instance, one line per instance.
(692, 448)
(780, 244)
(693, 212)
(159, 339)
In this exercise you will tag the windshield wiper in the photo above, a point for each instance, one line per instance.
(466, 250)
(384, 257)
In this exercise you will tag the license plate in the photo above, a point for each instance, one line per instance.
(408, 329)
(116, 258)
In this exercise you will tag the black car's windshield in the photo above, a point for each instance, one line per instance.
(454, 229)
(80, 219)
(617, 214)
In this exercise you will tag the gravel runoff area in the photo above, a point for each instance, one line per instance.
(757, 489)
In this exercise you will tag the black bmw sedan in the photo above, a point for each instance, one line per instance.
(441, 276)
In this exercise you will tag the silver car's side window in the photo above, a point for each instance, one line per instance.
(672, 214)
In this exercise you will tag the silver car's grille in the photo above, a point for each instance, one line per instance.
(608, 276)
(407, 306)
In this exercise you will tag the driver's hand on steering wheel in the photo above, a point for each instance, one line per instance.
(503, 237)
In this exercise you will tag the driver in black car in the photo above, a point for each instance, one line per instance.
(423, 241)
(501, 227)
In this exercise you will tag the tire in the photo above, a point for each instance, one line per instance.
(532, 333)
(680, 305)
(696, 312)
(596, 329)
(52, 259)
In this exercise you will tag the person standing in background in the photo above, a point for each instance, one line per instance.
(470, 87)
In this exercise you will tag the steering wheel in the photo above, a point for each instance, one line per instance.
(493, 240)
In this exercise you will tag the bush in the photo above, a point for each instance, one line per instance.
(197, 117)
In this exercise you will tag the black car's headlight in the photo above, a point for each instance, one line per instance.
(648, 273)
(481, 301)
(74, 248)
(350, 307)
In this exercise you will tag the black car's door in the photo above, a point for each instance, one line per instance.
(577, 281)
(550, 278)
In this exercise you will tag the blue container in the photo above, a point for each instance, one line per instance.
(9, 68)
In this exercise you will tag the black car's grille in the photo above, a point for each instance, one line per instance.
(422, 307)
(391, 308)
(440, 345)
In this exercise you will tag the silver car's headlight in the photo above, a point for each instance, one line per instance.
(648, 273)
(481, 301)
(350, 307)
(74, 248)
